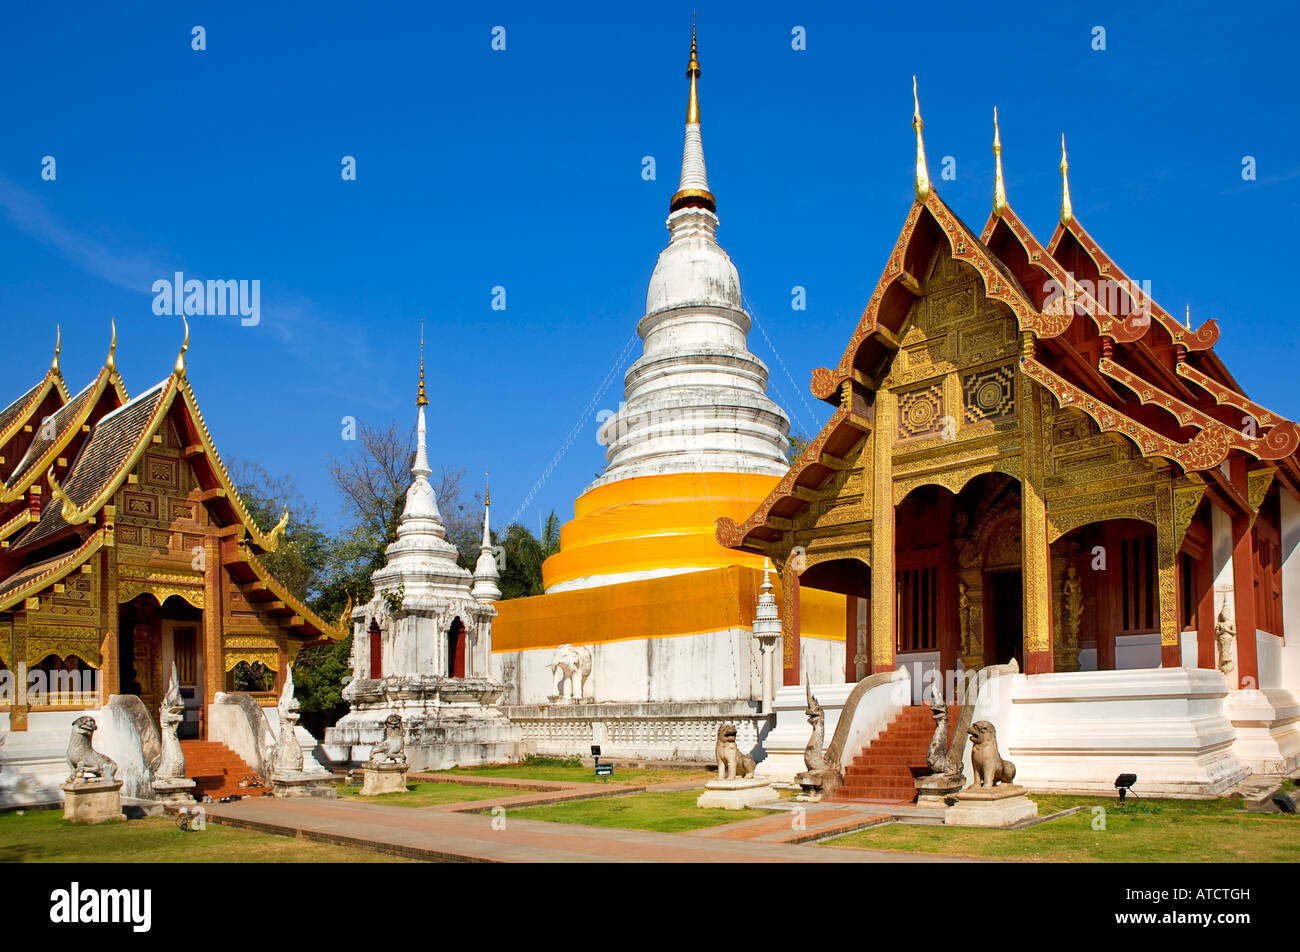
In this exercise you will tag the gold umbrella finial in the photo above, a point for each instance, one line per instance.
(922, 174)
(421, 400)
(1067, 211)
(487, 488)
(999, 187)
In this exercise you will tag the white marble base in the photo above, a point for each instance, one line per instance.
(384, 778)
(1003, 805)
(736, 794)
(95, 801)
(1268, 729)
(285, 784)
(179, 791)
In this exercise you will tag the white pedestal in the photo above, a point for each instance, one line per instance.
(94, 801)
(287, 784)
(1003, 805)
(179, 791)
(736, 794)
(384, 778)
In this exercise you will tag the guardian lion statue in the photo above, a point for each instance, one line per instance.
(990, 768)
(732, 763)
(574, 665)
(392, 750)
(86, 763)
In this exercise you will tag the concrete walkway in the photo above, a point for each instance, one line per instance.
(447, 833)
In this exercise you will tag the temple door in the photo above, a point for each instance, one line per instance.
(376, 652)
(456, 649)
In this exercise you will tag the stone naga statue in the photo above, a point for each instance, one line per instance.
(732, 763)
(171, 766)
(936, 758)
(392, 749)
(990, 768)
(288, 752)
(822, 778)
(86, 763)
(574, 665)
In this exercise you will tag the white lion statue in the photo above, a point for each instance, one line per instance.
(574, 666)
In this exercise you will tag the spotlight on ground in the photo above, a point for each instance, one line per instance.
(1124, 783)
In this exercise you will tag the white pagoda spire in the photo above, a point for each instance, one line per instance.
(486, 575)
(696, 399)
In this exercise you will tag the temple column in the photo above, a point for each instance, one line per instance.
(882, 535)
(1036, 553)
(790, 644)
(1171, 651)
(110, 664)
(1243, 586)
(214, 668)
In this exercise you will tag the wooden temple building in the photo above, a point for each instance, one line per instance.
(1031, 459)
(125, 548)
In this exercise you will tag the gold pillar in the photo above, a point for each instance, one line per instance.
(882, 535)
(1035, 557)
(110, 666)
(1167, 575)
(214, 669)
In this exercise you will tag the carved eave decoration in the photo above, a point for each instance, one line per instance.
(19, 417)
(806, 481)
(32, 581)
(290, 613)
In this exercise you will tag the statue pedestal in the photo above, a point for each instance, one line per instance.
(736, 794)
(1003, 805)
(384, 778)
(179, 791)
(287, 784)
(936, 789)
(93, 801)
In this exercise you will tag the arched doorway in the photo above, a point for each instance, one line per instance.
(850, 577)
(376, 651)
(456, 649)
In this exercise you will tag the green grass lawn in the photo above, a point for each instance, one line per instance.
(664, 811)
(428, 794)
(43, 836)
(554, 768)
(1145, 830)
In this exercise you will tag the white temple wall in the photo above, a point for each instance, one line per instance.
(821, 661)
(716, 665)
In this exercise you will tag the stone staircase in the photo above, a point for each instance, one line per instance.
(216, 770)
(887, 769)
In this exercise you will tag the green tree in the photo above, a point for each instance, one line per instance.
(524, 555)
(318, 677)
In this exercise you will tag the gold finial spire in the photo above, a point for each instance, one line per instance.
(111, 362)
(999, 187)
(922, 175)
(487, 489)
(1189, 317)
(693, 71)
(1067, 212)
(58, 346)
(420, 399)
(185, 345)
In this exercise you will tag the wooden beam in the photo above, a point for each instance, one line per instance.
(832, 462)
(806, 494)
(207, 494)
(909, 282)
(193, 450)
(886, 337)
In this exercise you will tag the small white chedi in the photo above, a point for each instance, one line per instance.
(422, 646)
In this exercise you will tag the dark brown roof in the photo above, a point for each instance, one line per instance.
(109, 447)
(10, 414)
(67, 416)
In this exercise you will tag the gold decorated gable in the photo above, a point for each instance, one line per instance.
(63, 641)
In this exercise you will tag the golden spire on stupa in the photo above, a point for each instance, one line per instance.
(693, 71)
(693, 187)
(922, 174)
(999, 187)
(1067, 211)
(420, 399)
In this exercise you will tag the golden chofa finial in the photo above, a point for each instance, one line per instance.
(1189, 317)
(1067, 211)
(185, 345)
(111, 362)
(922, 175)
(421, 400)
(693, 73)
(58, 346)
(999, 187)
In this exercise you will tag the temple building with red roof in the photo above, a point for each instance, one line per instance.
(124, 549)
(1032, 463)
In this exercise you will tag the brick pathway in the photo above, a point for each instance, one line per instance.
(447, 833)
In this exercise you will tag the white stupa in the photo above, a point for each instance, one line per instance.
(422, 646)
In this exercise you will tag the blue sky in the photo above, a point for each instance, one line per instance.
(522, 169)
